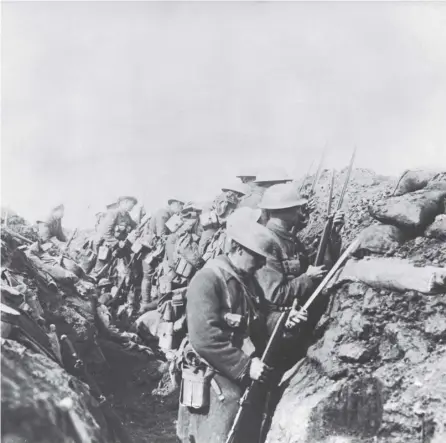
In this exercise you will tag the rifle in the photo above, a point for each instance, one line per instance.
(275, 338)
(137, 254)
(17, 235)
(317, 176)
(323, 243)
(112, 418)
(65, 249)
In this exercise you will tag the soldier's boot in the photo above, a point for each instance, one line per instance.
(131, 302)
(146, 299)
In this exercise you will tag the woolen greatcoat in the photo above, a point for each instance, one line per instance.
(157, 225)
(282, 288)
(216, 290)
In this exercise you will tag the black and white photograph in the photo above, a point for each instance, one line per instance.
(223, 221)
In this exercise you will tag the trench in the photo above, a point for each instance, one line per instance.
(128, 383)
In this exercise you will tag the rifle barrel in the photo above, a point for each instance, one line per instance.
(347, 179)
(330, 195)
(319, 170)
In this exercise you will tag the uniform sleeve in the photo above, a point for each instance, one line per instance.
(206, 329)
(106, 227)
(278, 289)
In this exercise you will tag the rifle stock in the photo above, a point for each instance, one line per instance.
(247, 395)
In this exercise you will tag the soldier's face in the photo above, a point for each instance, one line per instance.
(302, 216)
(177, 207)
(252, 261)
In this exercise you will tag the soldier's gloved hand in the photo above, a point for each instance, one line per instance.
(316, 272)
(258, 370)
(339, 219)
(295, 317)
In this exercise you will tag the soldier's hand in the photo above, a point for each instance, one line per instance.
(316, 272)
(339, 219)
(295, 317)
(258, 370)
(311, 204)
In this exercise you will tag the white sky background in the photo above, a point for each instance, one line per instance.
(159, 99)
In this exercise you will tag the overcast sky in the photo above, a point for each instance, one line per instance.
(101, 99)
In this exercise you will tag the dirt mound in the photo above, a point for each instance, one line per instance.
(365, 188)
(374, 372)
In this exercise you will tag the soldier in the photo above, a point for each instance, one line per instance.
(218, 244)
(290, 275)
(157, 225)
(184, 242)
(222, 207)
(263, 181)
(229, 321)
(113, 228)
(52, 227)
(153, 236)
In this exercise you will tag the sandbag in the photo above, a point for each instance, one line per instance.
(414, 180)
(380, 239)
(438, 228)
(411, 212)
(395, 275)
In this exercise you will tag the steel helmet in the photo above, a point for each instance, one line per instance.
(252, 236)
(128, 197)
(239, 188)
(245, 213)
(281, 196)
(174, 199)
(273, 175)
(246, 173)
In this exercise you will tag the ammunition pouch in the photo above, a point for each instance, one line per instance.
(292, 267)
(195, 387)
(104, 253)
(174, 223)
(183, 268)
